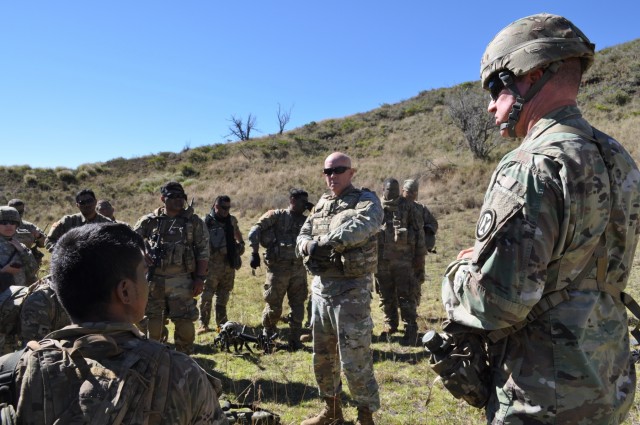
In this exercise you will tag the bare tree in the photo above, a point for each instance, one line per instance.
(283, 118)
(240, 128)
(467, 109)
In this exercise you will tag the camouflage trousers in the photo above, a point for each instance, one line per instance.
(219, 283)
(341, 329)
(396, 286)
(172, 297)
(284, 279)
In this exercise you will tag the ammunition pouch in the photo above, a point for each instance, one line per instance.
(360, 261)
(464, 370)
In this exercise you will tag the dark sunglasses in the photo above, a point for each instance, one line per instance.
(335, 170)
(498, 83)
(86, 201)
(8, 222)
(224, 207)
(176, 196)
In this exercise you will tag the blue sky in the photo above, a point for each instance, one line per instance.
(89, 81)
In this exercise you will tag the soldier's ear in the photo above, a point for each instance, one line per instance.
(124, 291)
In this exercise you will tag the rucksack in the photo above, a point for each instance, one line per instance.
(75, 385)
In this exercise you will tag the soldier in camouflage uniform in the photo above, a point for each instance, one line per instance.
(41, 312)
(15, 258)
(28, 233)
(105, 208)
(400, 246)
(86, 203)
(226, 246)
(555, 240)
(178, 246)
(101, 369)
(277, 231)
(11, 297)
(339, 246)
(410, 190)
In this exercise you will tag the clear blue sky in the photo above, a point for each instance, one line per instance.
(88, 81)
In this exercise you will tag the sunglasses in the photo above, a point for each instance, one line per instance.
(224, 207)
(86, 201)
(9, 222)
(335, 170)
(176, 196)
(497, 84)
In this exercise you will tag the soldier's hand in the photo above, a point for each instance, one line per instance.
(255, 260)
(465, 253)
(310, 247)
(198, 286)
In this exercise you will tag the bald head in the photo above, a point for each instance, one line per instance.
(338, 172)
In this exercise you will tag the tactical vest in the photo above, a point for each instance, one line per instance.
(353, 262)
(397, 238)
(217, 237)
(280, 239)
(175, 237)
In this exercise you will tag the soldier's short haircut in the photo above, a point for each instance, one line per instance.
(16, 203)
(85, 192)
(221, 198)
(298, 193)
(89, 261)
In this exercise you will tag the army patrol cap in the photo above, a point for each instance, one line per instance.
(10, 214)
(410, 185)
(535, 42)
(173, 189)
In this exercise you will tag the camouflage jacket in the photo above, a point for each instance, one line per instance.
(24, 233)
(276, 231)
(67, 223)
(547, 206)
(182, 240)
(10, 254)
(137, 379)
(430, 225)
(401, 236)
(218, 239)
(41, 312)
(347, 224)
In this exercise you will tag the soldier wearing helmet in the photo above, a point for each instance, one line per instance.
(554, 242)
(15, 258)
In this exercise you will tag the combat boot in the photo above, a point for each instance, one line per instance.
(294, 339)
(365, 417)
(387, 331)
(330, 415)
(410, 337)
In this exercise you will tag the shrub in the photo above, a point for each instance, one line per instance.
(66, 176)
(30, 180)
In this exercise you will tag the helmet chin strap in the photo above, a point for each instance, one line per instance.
(510, 83)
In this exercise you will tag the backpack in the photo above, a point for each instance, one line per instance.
(93, 376)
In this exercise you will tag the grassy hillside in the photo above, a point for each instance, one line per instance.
(410, 139)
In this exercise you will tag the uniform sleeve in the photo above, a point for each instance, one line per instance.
(430, 222)
(200, 239)
(56, 232)
(359, 227)
(265, 222)
(515, 239)
(237, 234)
(305, 234)
(141, 227)
(29, 265)
(192, 398)
(417, 225)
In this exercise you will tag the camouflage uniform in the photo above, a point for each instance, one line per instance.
(171, 387)
(10, 254)
(341, 288)
(277, 231)
(401, 243)
(221, 272)
(183, 241)
(67, 223)
(24, 233)
(549, 207)
(41, 312)
(11, 299)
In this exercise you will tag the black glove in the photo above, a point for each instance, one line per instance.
(310, 247)
(255, 260)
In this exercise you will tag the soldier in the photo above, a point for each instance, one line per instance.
(178, 247)
(15, 258)
(28, 233)
(554, 242)
(277, 231)
(102, 369)
(105, 208)
(41, 312)
(11, 297)
(400, 246)
(410, 190)
(86, 203)
(226, 246)
(338, 242)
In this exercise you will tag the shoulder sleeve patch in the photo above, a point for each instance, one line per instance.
(486, 223)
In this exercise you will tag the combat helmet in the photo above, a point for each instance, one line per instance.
(536, 41)
(10, 214)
